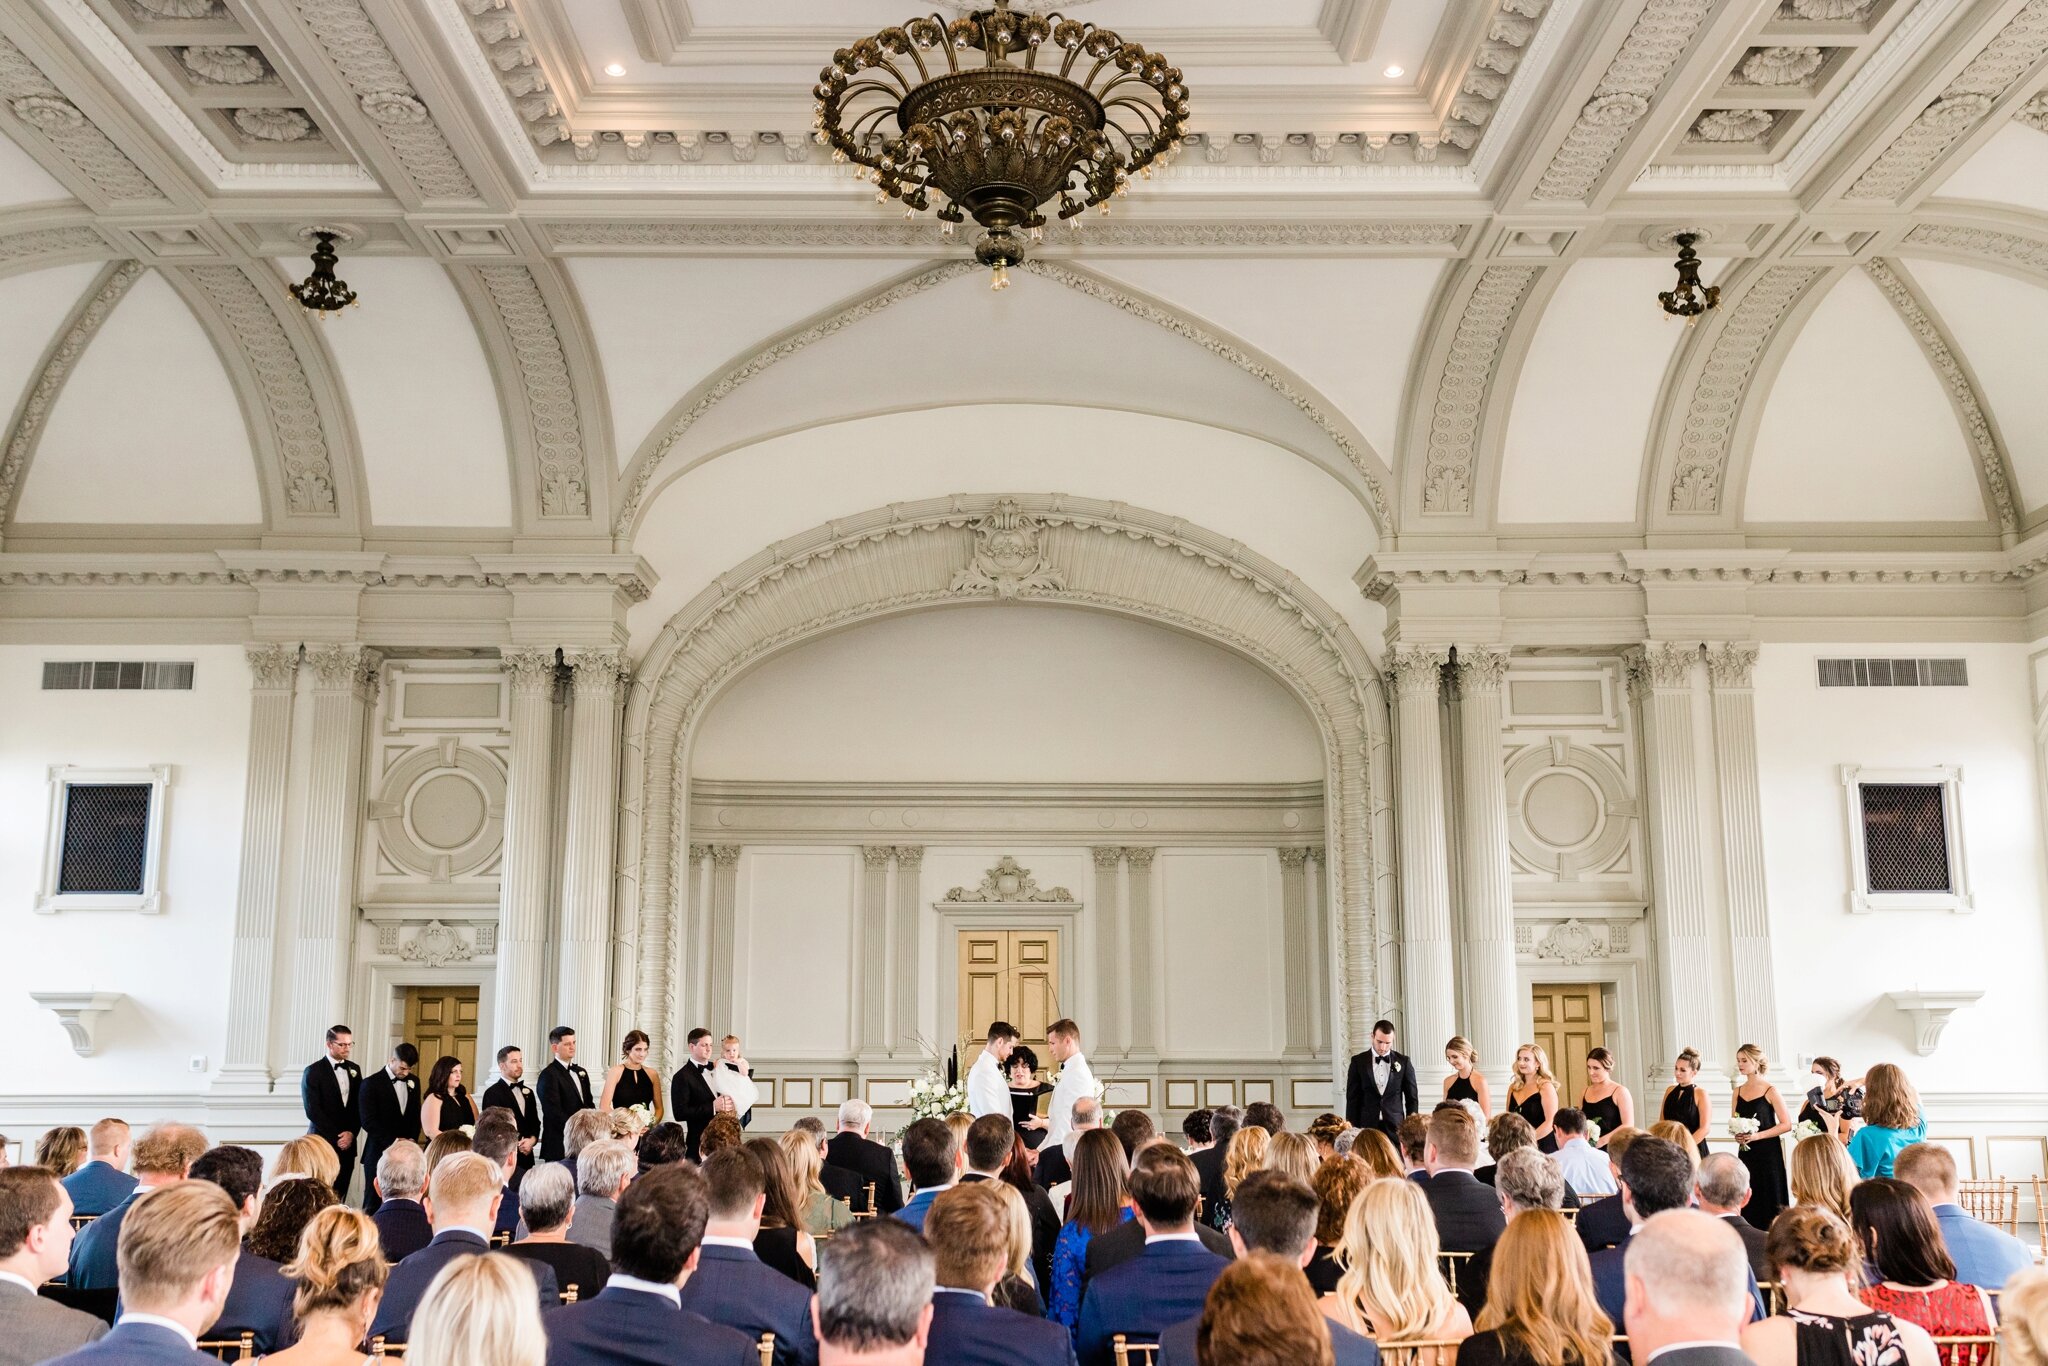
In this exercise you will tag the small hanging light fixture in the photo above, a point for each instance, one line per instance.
(1691, 298)
(323, 292)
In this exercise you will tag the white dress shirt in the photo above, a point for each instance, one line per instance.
(1075, 1082)
(668, 1290)
(987, 1092)
(340, 1078)
(1585, 1168)
(191, 1338)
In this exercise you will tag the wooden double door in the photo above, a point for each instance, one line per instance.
(1011, 975)
(1569, 1021)
(442, 1022)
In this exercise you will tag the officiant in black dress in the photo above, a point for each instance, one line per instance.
(1025, 1089)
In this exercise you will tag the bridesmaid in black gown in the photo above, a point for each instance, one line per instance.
(1615, 1108)
(1685, 1100)
(1763, 1152)
(629, 1083)
(447, 1105)
(1465, 1081)
(1533, 1094)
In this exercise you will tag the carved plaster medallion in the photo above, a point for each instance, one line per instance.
(1732, 125)
(223, 65)
(274, 125)
(1007, 882)
(436, 946)
(1009, 555)
(48, 113)
(1781, 65)
(393, 108)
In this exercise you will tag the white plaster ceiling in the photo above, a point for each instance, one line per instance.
(22, 181)
(35, 305)
(2001, 324)
(2010, 168)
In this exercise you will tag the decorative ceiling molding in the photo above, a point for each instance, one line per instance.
(1943, 355)
(553, 431)
(33, 412)
(35, 248)
(1458, 409)
(1966, 101)
(628, 574)
(1656, 41)
(1508, 31)
(44, 115)
(2034, 113)
(1386, 575)
(1959, 241)
(584, 236)
(1112, 557)
(1714, 406)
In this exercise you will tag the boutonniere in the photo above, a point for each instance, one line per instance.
(408, 1083)
(1393, 1067)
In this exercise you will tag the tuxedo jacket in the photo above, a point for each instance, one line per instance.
(259, 1302)
(1052, 1167)
(563, 1091)
(1177, 1344)
(635, 1328)
(391, 1110)
(33, 1328)
(97, 1187)
(410, 1278)
(525, 1109)
(1753, 1244)
(92, 1252)
(402, 1227)
(870, 1161)
(1045, 1227)
(1144, 1297)
(734, 1287)
(136, 1344)
(327, 1114)
(967, 1331)
(1209, 1173)
(1364, 1105)
(1127, 1240)
(690, 1099)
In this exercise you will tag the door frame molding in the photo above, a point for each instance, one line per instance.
(382, 982)
(1624, 1027)
(1062, 917)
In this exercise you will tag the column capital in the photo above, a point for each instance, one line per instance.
(876, 855)
(1107, 855)
(276, 666)
(1140, 857)
(1318, 855)
(1416, 670)
(1293, 856)
(1481, 668)
(909, 855)
(725, 855)
(345, 668)
(596, 671)
(699, 852)
(1660, 666)
(1730, 663)
(532, 670)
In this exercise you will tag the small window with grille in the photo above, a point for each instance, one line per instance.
(105, 840)
(1905, 839)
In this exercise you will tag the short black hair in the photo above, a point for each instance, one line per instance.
(336, 1031)
(1002, 1029)
(507, 1051)
(700, 1032)
(1266, 1115)
(1134, 1129)
(659, 1222)
(1196, 1126)
(928, 1152)
(559, 1033)
(406, 1054)
(1274, 1213)
(1022, 1054)
(990, 1141)
(1569, 1121)
(238, 1171)
(1383, 1026)
(1658, 1175)
(734, 1178)
(666, 1142)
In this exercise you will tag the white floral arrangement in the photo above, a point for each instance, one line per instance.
(468, 1130)
(642, 1116)
(1741, 1127)
(1807, 1129)
(931, 1098)
(1592, 1129)
(1471, 1107)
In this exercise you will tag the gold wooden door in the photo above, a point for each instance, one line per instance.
(1569, 1025)
(1008, 975)
(440, 1021)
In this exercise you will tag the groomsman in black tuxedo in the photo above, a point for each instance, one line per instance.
(564, 1089)
(692, 1102)
(510, 1092)
(1380, 1091)
(391, 1111)
(331, 1091)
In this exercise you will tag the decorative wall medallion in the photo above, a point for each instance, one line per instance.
(1781, 65)
(1571, 943)
(393, 108)
(49, 113)
(274, 125)
(1732, 125)
(223, 65)
(439, 812)
(1831, 11)
(436, 946)
(1006, 882)
(1570, 810)
(1009, 555)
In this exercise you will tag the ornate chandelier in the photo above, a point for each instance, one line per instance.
(945, 112)
(1691, 298)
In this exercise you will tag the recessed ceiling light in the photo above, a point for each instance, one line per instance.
(1394, 72)
(615, 69)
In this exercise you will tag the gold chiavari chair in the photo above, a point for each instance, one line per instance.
(501, 1240)
(766, 1347)
(386, 1351)
(1419, 1352)
(1128, 1353)
(1571, 1216)
(1992, 1202)
(570, 1292)
(1967, 1351)
(79, 1221)
(1774, 1296)
(1454, 1265)
(868, 1211)
(242, 1348)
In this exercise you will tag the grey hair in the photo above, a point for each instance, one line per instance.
(1087, 1110)
(584, 1128)
(603, 1165)
(546, 1196)
(1530, 1180)
(874, 1282)
(1690, 1263)
(1722, 1181)
(855, 1113)
(810, 1124)
(402, 1171)
(1344, 1142)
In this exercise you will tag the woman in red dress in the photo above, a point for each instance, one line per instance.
(1916, 1278)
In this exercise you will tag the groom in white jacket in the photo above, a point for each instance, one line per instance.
(987, 1091)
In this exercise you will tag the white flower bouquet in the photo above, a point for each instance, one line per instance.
(1807, 1129)
(642, 1116)
(1740, 1127)
(468, 1130)
(931, 1098)
(1592, 1129)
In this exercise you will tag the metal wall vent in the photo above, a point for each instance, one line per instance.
(117, 675)
(1894, 673)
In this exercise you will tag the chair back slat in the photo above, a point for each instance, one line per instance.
(79, 1221)
(1967, 1350)
(1128, 1353)
(383, 1350)
(1992, 1202)
(766, 1348)
(1774, 1296)
(570, 1292)
(868, 1210)
(1454, 1265)
(242, 1348)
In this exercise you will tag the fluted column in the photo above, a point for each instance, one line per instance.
(1742, 843)
(245, 1066)
(583, 944)
(903, 932)
(873, 988)
(1112, 980)
(523, 879)
(725, 896)
(344, 683)
(692, 988)
(1318, 912)
(1491, 1010)
(1660, 679)
(1415, 676)
(1143, 1035)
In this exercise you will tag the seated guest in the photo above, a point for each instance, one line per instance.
(1823, 1175)
(1722, 1189)
(732, 1285)
(177, 1262)
(1324, 1130)
(1378, 1153)
(1584, 1166)
(1891, 1120)
(1294, 1156)
(874, 1300)
(1656, 1175)
(1671, 1131)
(1604, 1223)
(1222, 1125)
(1393, 1287)
(1505, 1132)
(838, 1182)
(260, 1301)
(1259, 1313)
(1527, 1179)
(480, 1309)
(992, 1153)
(1984, 1256)
(1267, 1116)
(497, 1140)
(2023, 1318)
(308, 1156)
(933, 1161)
(1412, 1139)
(603, 1172)
(852, 1150)
(284, 1214)
(666, 1142)
(1916, 1277)
(443, 1146)
(1169, 1280)
(35, 1246)
(401, 1179)
(823, 1212)
(1814, 1255)
(1134, 1129)
(1196, 1131)
(1127, 1240)
(1467, 1214)
(1275, 1218)
(968, 1228)
(782, 1243)
(1687, 1291)
(1540, 1309)
(1056, 1164)
(61, 1151)
(1247, 1154)
(103, 1182)
(547, 1198)
(338, 1278)
(162, 1158)
(1018, 1289)
(462, 1202)
(1338, 1183)
(721, 1133)
(1099, 1203)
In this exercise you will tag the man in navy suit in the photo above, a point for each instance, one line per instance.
(1468, 1215)
(331, 1091)
(1985, 1256)
(1656, 1176)
(1684, 1298)
(1169, 1280)
(874, 1299)
(497, 1137)
(732, 1285)
(987, 1148)
(402, 1224)
(178, 1254)
(103, 1182)
(1271, 1214)
(638, 1317)
(1380, 1089)
(933, 1160)
(968, 1228)
(462, 1201)
(390, 1113)
(261, 1300)
(162, 1157)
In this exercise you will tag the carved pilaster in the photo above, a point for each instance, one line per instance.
(873, 987)
(1742, 843)
(1414, 675)
(1488, 884)
(524, 881)
(1299, 971)
(1112, 999)
(693, 949)
(587, 847)
(720, 936)
(258, 894)
(904, 936)
(1319, 946)
(1144, 973)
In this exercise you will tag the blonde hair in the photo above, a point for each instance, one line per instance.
(1889, 1100)
(1389, 1256)
(800, 1146)
(306, 1155)
(1376, 1151)
(620, 1123)
(1671, 1131)
(2023, 1317)
(340, 1260)
(960, 1121)
(171, 1149)
(173, 1240)
(1461, 1047)
(1822, 1174)
(1294, 1156)
(1755, 1055)
(1019, 1215)
(446, 1144)
(1535, 1050)
(465, 1181)
(479, 1309)
(1540, 1297)
(1247, 1153)
(61, 1151)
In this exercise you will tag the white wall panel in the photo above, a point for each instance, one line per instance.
(794, 943)
(1219, 913)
